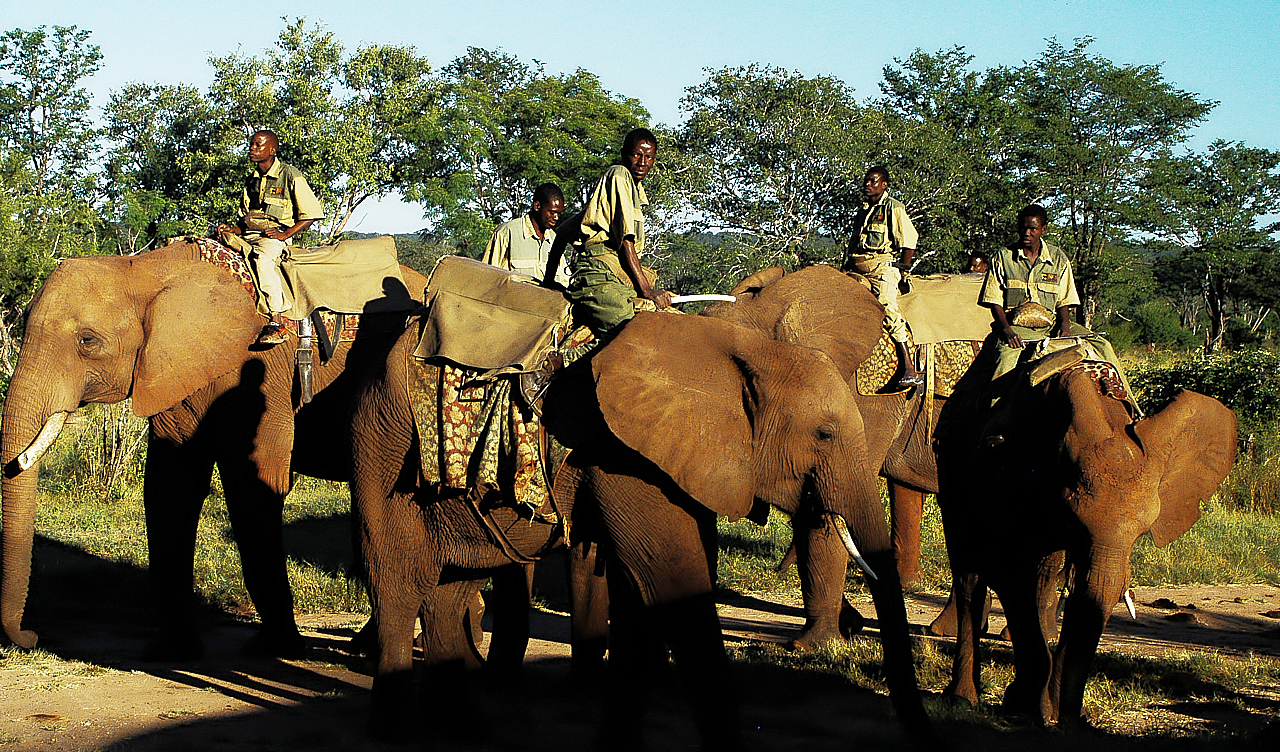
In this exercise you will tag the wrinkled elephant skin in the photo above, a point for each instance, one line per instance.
(1061, 467)
(678, 420)
(174, 332)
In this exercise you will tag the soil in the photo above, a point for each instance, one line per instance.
(90, 693)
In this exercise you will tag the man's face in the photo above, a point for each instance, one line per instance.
(640, 158)
(874, 186)
(1029, 231)
(547, 215)
(977, 264)
(262, 147)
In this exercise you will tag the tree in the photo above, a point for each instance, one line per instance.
(44, 112)
(511, 127)
(1094, 128)
(171, 161)
(1210, 207)
(356, 126)
(951, 137)
(772, 156)
(46, 146)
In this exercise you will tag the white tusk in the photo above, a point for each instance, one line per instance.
(44, 440)
(1128, 603)
(698, 298)
(843, 528)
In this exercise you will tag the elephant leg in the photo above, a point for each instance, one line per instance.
(589, 608)
(1028, 693)
(257, 520)
(907, 507)
(509, 604)
(966, 670)
(1098, 585)
(174, 489)
(660, 585)
(944, 624)
(821, 561)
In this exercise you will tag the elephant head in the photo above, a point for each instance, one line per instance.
(1061, 465)
(155, 327)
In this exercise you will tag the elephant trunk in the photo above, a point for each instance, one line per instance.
(32, 422)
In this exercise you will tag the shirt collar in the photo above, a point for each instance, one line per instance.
(277, 167)
(1047, 254)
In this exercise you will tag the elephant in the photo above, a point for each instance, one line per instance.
(675, 421)
(176, 332)
(828, 310)
(1059, 464)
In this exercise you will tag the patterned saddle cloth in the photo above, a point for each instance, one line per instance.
(943, 363)
(337, 327)
(478, 439)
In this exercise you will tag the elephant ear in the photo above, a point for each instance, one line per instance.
(197, 325)
(675, 389)
(1194, 440)
(817, 307)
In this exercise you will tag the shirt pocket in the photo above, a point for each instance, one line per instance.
(524, 266)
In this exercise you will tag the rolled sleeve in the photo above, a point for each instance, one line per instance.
(993, 286)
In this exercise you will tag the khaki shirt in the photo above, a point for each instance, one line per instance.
(615, 210)
(1012, 280)
(283, 193)
(515, 246)
(883, 227)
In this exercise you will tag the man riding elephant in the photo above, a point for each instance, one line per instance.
(276, 204)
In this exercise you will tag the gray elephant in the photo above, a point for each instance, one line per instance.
(175, 332)
(676, 421)
(1061, 464)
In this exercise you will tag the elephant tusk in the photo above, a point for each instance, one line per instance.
(843, 529)
(1128, 603)
(52, 427)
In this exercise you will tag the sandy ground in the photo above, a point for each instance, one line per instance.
(92, 695)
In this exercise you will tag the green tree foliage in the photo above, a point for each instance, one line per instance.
(952, 139)
(1094, 129)
(171, 154)
(46, 145)
(355, 125)
(509, 128)
(771, 156)
(1210, 208)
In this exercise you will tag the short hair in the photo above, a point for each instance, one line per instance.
(1034, 210)
(882, 170)
(545, 192)
(268, 132)
(637, 135)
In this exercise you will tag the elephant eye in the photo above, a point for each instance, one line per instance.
(824, 434)
(88, 341)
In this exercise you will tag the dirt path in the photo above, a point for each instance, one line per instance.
(95, 699)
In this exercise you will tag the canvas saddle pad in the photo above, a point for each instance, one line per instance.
(490, 319)
(337, 327)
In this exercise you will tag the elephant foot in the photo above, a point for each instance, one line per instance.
(276, 643)
(957, 697)
(174, 646)
(819, 635)
(365, 642)
(1022, 703)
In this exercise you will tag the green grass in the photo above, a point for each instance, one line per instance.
(116, 531)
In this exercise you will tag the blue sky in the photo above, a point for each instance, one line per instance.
(1224, 51)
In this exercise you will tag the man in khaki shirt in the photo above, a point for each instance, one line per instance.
(883, 230)
(607, 274)
(1030, 289)
(275, 204)
(524, 244)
